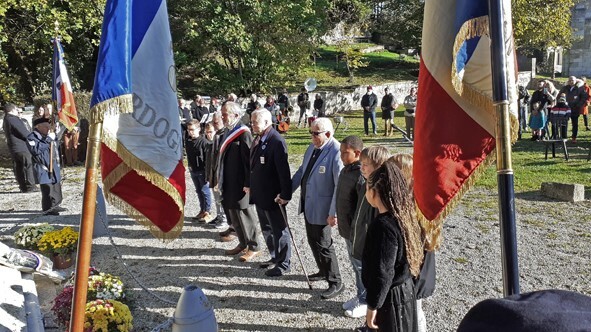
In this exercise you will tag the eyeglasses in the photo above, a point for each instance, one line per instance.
(316, 133)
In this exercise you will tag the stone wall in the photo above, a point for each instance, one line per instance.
(347, 100)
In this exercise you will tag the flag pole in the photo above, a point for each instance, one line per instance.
(86, 225)
(505, 176)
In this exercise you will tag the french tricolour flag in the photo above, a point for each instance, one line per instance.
(61, 92)
(455, 118)
(135, 97)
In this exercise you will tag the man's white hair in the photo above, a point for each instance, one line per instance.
(323, 124)
(233, 108)
(262, 113)
(232, 97)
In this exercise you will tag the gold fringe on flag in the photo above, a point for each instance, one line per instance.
(118, 106)
(473, 28)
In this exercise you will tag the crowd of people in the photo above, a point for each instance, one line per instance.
(238, 163)
(548, 105)
(39, 152)
(364, 192)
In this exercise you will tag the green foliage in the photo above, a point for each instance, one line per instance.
(243, 46)
(352, 57)
(539, 24)
(348, 12)
(331, 72)
(26, 31)
(81, 98)
(400, 22)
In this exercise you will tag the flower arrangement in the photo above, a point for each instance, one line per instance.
(105, 286)
(27, 237)
(59, 242)
(107, 316)
(62, 305)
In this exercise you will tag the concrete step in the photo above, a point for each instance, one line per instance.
(19, 302)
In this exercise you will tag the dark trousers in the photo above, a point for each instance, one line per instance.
(245, 226)
(23, 170)
(410, 127)
(366, 117)
(575, 124)
(51, 195)
(399, 311)
(276, 236)
(586, 121)
(320, 241)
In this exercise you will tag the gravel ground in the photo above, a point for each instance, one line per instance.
(553, 240)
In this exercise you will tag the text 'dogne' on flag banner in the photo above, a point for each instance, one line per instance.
(135, 97)
(61, 91)
(455, 120)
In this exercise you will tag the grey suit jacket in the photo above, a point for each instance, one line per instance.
(322, 182)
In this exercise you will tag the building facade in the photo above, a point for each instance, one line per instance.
(577, 61)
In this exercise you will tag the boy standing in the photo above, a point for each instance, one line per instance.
(371, 159)
(349, 184)
(197, 147)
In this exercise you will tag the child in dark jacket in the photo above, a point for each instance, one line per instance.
(371, 158)
(425, 283)
(197, 148)
(393, 252)
(350, 183)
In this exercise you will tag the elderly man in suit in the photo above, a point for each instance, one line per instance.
(318, 177)
(270, 180)
(16, 131)
(234, 181)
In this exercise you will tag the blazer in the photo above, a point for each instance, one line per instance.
(236, 172)
(322, 182)
(16, 134)
(269, 171)
(40, 148)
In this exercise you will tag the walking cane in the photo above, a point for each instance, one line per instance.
(282, 208)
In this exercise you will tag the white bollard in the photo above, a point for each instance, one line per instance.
(194, 312)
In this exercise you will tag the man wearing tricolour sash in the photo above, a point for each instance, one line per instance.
(234, 182)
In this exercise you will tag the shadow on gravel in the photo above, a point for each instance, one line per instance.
(258, 327)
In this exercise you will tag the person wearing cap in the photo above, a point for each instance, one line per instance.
(550, 310)
(16, 130)
(369, 101)
(46, 166)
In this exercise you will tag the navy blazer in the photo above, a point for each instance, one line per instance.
(322, 182)
(40, 147)
(269, 171)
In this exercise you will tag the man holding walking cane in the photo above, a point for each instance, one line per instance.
(270, 180)
(318, 176)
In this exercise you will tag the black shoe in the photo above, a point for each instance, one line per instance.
(315, 277)
(30, 190)
(332, 291)
(227, 232)
(267, 264)
(276, 272)
(51, 213)
(59, 209)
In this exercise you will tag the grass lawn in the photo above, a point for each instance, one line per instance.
(528, 157)
(382, 67)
